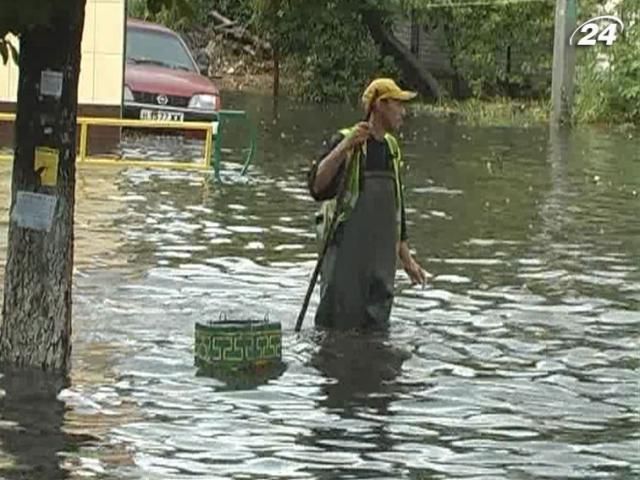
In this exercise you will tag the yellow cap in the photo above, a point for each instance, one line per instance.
(383, 88)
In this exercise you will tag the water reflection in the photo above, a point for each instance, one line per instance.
(524, 350)
(362, 369)
(31, 429)
(248, 379)
(360, 372)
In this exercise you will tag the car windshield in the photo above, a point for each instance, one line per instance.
(157, 48)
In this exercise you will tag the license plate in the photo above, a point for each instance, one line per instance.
(161, 115)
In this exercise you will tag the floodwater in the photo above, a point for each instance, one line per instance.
(519, 361)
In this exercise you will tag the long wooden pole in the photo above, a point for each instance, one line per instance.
(325, 247)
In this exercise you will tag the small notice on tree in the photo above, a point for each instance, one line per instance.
(51, 83)
(34, 210)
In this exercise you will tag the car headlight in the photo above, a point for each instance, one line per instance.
(128, 95)
(204, 102)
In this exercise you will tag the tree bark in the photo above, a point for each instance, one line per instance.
(413, 70)
(35, 328)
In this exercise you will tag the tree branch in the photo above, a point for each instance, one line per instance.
(415, 72)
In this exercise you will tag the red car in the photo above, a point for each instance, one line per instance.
(162, 79)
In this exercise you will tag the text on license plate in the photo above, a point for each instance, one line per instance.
(161, 115)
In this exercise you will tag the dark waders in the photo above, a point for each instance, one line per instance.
(358, 271)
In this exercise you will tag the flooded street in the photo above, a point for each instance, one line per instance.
(519, 361)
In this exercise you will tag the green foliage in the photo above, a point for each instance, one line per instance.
(608, 78)
(325, 41)
(184, 14)
(328, 51)
(184, 7)
(491, 48)
(242, 11)
(176, 14)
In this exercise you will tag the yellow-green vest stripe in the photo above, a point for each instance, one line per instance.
(351, 194)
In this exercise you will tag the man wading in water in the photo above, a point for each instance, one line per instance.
(358, 271)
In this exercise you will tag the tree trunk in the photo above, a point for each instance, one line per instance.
(35, 328)
(412, 69)
(461, 88)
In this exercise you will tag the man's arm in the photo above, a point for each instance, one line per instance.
(404, 252)
(328, 167)
(323, 175)
(330, 190)
(413, 268)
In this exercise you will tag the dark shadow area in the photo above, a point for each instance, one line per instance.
(242, 379)
(31, 419)
(362, 369)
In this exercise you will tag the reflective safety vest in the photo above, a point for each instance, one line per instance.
(328, 207)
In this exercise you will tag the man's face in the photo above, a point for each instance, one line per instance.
(392, 113)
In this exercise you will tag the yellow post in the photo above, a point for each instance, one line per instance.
(83, 141)
(207, 146)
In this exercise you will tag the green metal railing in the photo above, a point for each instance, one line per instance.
(223, 117)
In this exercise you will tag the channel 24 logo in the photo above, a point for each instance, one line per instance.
(602, 29)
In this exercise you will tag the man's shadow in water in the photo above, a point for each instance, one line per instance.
(31, 419)
(362, 369)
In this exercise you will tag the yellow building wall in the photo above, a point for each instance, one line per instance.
(9, 78)
(102, 64)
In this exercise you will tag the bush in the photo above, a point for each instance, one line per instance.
(608, 78)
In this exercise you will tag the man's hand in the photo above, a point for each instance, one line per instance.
(416, 273)
(358, 136)
(329, 165)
